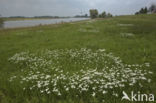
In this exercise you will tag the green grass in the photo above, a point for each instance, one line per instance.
(93, 34)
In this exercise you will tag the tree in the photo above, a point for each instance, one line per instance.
(109, 15)
(86, 15)
(152, 8)
(145, 10)
(103, 14)
(142, 11)
(1, 21)
(93, 13)
(136, 13)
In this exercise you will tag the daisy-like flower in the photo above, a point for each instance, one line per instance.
(93, 94)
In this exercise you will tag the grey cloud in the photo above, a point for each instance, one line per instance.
(68, 7)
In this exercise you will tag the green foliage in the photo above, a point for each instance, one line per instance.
(105, 15)
(152, 8)
(109, 15)
(93, 13)
(142, 11)
(1, 22)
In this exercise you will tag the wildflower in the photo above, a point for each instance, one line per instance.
(93, 94)
(147, 64)
(48, 92)
(67, 89)
(41, 91)
(59, 94)
(149, 80)
(100, 71)
(104, 92)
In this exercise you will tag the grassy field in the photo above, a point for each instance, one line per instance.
(90, 61)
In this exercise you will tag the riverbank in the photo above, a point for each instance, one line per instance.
(70, 62)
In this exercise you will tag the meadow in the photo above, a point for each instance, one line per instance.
(90, 61)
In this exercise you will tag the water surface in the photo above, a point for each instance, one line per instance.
(28, 23)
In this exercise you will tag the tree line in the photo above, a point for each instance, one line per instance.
(145, 10)
(95, 14)
(1, 21)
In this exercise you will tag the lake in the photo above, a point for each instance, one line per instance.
(29, 23)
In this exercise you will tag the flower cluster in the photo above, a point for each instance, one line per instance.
(80, 71)
(88, 28)
(127, 34)
(125, 24)
(91, 30)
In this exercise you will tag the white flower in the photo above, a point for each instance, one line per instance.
(101, 50)
(73, 86)
(147, 64)
(41, 91)
(67, 89)
(94, 88)
(46, 89)
(48, 92)
(104, 92)
(149, 80)
(150, 72)
(99, 70)
(59, 94)
(93, 94)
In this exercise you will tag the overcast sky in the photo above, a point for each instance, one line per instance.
(69, 7)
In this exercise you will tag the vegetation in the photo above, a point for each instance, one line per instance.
(1, 22)
(81, 16)
(105, 15)
(93, 13)
(71, 62)
(151, 9)
(142, 11)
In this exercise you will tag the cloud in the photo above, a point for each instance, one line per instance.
(68, 7)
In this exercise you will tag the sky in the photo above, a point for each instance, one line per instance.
(69, 7)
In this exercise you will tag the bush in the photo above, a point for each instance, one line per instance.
(142, 11)
(1, 22)
(105, 15)
(152, 8)
(93, 13)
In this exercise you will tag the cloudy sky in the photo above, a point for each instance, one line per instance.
(69, 7)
